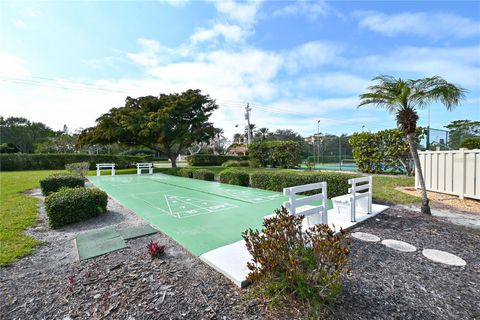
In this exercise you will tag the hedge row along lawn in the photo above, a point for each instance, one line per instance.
(17, 213)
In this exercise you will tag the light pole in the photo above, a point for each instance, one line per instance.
(318, 134)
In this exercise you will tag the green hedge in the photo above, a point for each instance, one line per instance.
(284, 154)
(27, 161)
(170, 171)
(210, 159)
(232, 176)
(185, 172)
(70, 205)
(337, 183)
(203, 174)
(55, 182)
(236, 163)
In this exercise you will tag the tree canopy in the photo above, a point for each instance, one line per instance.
(460, 130)
(20, 135)
(168, 123)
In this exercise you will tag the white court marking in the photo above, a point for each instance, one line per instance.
(184, 207)
(251, 196)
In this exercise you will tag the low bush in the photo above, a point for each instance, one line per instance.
(236, 163)
(55, 182)
(337, 183)
(236, 177)
(80, 168)
(288, 263)
(169, 171)
(27, 161)
(185, 172)
(203, 174)
(471, 143)
(211, 159)
(70, 205)
(284, 154)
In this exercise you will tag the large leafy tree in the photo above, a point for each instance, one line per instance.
(460, 130)
(167, 123)
(22, 135)
(403, 98)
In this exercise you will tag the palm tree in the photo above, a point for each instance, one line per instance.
(263, 133)
(403, 98)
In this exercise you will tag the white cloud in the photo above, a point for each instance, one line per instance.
(176, 3)
(243, 13)
(13, 65)
(456, 64)
(428, 24)
(311, 55)
(34, 13)
(311, 9)
(152, 54)
(20, 24)
(230, 33)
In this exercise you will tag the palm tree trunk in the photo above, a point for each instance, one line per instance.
(416, 159)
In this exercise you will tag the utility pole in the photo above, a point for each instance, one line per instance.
(247, 118)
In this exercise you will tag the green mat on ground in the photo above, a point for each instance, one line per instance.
(103, 241)
(136, 232)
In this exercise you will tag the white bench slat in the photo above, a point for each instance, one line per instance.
(303, 188)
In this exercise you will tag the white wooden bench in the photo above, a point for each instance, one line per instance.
(101, 166)
(299, 204)
(141, 166)
(358, 199)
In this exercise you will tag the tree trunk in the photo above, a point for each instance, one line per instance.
(174, 161)
(416, 159)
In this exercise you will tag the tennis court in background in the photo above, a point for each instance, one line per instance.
(200, 215)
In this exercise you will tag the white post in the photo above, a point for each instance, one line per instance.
(139, 170)
(113, 170)
(461, 191)
(150, 169)
(325, 197)
(370, 196)
(352, 203)
(98, 171)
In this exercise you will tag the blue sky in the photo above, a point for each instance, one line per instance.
(295, 62)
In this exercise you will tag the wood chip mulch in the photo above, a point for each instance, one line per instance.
(128, 284)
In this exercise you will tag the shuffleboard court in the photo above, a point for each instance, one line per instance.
(200, 215)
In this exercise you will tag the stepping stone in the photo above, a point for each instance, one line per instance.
(364, 236)
(399, 245)
(443, 257)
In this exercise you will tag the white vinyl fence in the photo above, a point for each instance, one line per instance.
(454, 172)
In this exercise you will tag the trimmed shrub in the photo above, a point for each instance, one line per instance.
(210, 159)
(471, 143)
(185, 172)
(55, 182)
(289, 263)
(203, 174)
(70, 205)
(170, 171)
(337, 183)
(27, 161)
(236, 163)
(284, 154)
(80, 168)
(232, 176)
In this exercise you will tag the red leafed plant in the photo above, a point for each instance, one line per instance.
(155, 249)
(71, 280)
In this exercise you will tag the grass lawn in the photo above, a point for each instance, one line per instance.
(384, 190)
(17, 212)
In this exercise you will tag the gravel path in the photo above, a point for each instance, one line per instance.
(127, 284)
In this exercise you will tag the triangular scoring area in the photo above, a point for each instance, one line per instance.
(183, 207)
(252, 196)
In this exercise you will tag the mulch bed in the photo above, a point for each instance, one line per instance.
(128, 284)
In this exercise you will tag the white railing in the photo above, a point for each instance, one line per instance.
(357, 200)
(141, 166)
(453, 172)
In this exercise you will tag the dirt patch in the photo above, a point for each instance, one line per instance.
(467, 205)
